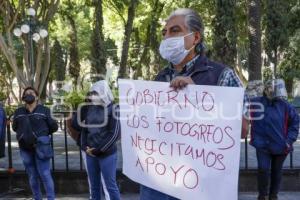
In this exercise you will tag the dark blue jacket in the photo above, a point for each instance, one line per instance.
(102, 138)
(274, 128)
(203, 72)
(42, 123)
(2, 132)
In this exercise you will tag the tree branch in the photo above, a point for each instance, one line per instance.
(10, 87)
(8, 53)
(1, 3)
(46, 65)
(35, 4)
(16, 14)
(38, 66)
(116, 10)
(25, 58)
(51, 11)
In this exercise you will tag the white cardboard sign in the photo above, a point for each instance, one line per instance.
(184, 143)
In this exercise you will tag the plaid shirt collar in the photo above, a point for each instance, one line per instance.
(185, 70)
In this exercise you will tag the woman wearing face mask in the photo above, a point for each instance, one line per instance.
(75, 130)
(100, 131)
(33, 125)
(273, 132)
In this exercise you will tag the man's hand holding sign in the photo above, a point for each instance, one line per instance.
(183, 141)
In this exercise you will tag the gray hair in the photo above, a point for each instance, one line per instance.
(193, 20)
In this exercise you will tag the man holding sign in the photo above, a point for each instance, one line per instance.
(185, 143)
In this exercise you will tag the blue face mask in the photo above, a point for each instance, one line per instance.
(172, 49)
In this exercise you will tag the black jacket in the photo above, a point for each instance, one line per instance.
(40, 118)
(104, 137)
(275, 127)
(203, 72)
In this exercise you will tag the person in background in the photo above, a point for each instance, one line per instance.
(33, 124)
(183, 47)
(2, 131)
(100, 129)
(273, 132)
(74, 130)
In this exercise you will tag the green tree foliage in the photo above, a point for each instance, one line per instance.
(148, 60)
(225, 32)
(58, 62)
(276, 30)
(81, 12)
(110, 48)
(3, 80)
(123, 72)
(69, 12)
(289, 68)
(6, 81)
(33, 71)
(99, 36)
(98, 52)
(267, 74)
(242, 39)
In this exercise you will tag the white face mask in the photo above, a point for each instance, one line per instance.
(172, 49)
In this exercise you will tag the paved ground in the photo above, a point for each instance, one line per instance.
(242, 196)
(283, 196)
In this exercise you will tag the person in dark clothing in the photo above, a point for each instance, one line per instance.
(74, 130)
(183, 47)
(273, 132)
(2, 131)
(34, 125)
(100, 129)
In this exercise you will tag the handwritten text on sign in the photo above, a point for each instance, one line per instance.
(184, 143)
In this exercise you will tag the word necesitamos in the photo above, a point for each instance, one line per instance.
(150, 146)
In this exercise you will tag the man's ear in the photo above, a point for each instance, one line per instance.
(197, 38)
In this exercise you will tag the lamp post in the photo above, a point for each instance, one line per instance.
(34, 32)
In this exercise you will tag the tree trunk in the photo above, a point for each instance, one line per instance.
(154, 43)
(74, 66)
(254, 18)
(239, 69)
(9, 83)
(275, 60)
(224, 32)
(46, 66)
(11, 16)
(99, 57)
(289, 86)
(151, 43)
(128, 30)
(277, 28)
(134, 62)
